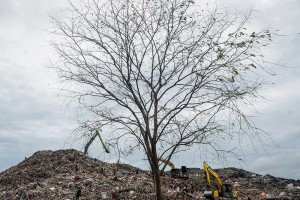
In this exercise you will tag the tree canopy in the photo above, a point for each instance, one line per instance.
(162, 76)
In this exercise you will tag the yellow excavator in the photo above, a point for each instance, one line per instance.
(175, 172)
(223, 189)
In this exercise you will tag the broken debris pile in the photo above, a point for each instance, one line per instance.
(67, 174)
(61, 174)
(254, 186)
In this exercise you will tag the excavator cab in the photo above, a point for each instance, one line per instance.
(183, 173)
(180, 173)
(176, 172)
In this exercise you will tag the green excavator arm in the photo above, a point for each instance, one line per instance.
(103, 144)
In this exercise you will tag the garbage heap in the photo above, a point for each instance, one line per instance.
(70, 174)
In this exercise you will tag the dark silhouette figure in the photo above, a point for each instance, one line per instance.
(78, 194)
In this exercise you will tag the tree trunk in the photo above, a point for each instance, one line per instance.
(157, 181)
(155, 173)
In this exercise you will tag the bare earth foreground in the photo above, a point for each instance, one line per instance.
(61, 174)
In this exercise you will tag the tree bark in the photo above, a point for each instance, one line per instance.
(157, 181)
(155, 172)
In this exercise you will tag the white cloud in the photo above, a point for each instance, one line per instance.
(31, 115)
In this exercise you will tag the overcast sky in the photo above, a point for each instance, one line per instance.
(34, 117)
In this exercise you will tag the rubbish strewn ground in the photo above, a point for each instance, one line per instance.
(63, 174)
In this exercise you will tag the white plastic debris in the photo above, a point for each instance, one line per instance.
(45, 183)
(268, 196)
(52, 188)
(290, 186)
(281, 194)
(103, 195)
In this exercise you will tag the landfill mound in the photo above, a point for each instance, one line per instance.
(67, 174)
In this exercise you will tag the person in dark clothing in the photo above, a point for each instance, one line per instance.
(78, 194)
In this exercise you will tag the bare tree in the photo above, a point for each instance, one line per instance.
(162, 75)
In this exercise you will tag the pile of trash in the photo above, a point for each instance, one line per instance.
(70, 174)
(65, 174)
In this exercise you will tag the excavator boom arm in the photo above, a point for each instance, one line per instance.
(208, 171)
(169, 163)
(102, 142)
